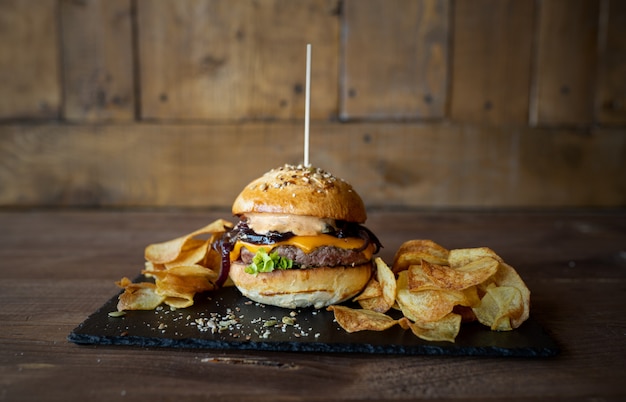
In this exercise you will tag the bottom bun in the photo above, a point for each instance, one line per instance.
(292, 288)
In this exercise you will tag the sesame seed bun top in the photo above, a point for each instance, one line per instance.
(299, 190)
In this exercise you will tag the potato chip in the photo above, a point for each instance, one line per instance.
(185, 265)
(404, 323)
(212, 259)
(371, 290)
(508, 276)
(462, 256)
(429, 276)
(180, 284)
(195, 252)
(471, 297)
(446, 329)
(413, 252)
(387, 282)
(161, 253)
(427, 305)
(187, 271)
(418, 279)
(377, 304)
(500, 306)
(437, 290)
(353, 320)
(374, 304)
(138, 296)
(150, 266)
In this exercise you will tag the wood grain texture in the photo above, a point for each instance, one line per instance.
(221, 60)
(395, 59)
(491, 61)
(611, 96)
(126, 103)
(389, 164)
(98, 60)
(29, 60)
(66, 276)
(566, 63)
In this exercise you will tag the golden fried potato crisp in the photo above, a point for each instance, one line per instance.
(437, 277)
(179, 284)
(500, 306)
(438, 289)
(353, 320)
(138, 296)
(380, 293)
(427, 305)
(412, 252)
(181, 268)
(161, 253)
(446, 329)
(371, 290)
(506, 276)
(463, 256)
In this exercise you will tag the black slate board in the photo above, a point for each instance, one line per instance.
(313, 331)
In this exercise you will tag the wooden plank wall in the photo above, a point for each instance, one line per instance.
(418, 103)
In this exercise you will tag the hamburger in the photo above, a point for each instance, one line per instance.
(299, 241)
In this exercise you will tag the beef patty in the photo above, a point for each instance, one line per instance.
(324, 256)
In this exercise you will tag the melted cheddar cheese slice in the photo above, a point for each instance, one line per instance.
(306, 244)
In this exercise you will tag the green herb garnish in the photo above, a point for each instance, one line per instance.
(263, 262)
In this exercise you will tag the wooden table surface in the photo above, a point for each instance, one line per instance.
(57, 267)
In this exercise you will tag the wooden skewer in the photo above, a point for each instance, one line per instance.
(307, 105)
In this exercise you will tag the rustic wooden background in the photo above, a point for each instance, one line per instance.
(418, 103)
